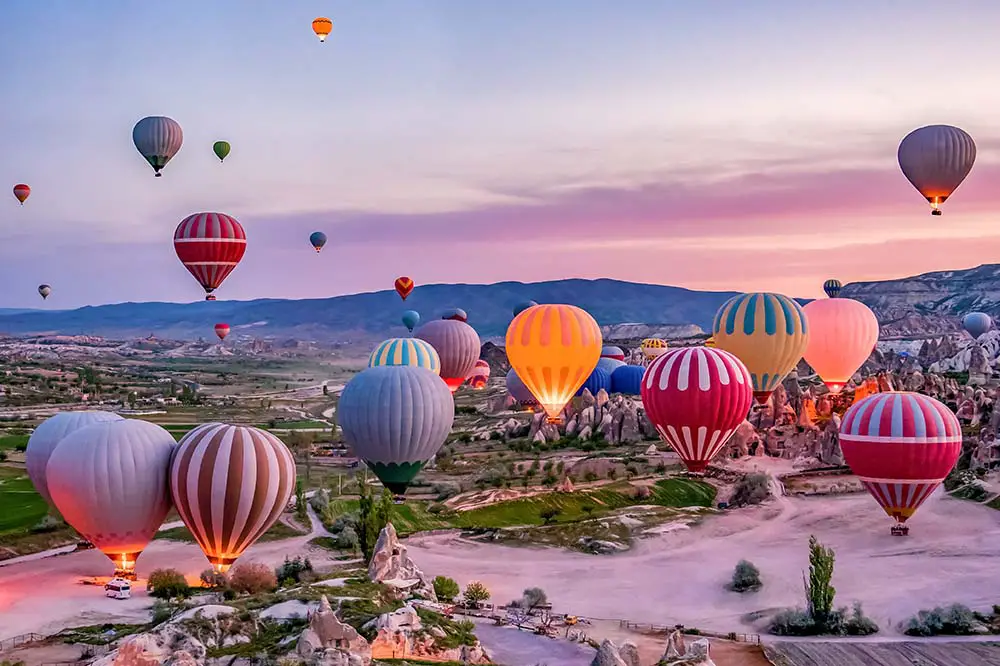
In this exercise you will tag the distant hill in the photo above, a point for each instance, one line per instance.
(363, 316)
(931, 303)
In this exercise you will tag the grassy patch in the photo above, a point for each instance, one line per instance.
(277, 532)
(21, 508)
(266, 641)
(324, 542)
(14, 442)
(295, 425)
(100, 634)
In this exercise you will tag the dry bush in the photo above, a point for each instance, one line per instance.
(252, 578)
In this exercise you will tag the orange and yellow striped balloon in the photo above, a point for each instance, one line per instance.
(553, 349)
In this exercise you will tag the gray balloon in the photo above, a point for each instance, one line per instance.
(396, 417)
(48, 434)
(456, 343)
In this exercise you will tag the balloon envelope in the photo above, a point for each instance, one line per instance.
(902, 446)
(842, 335)
(832, 288)
(480, 375)
(517, 389)
(404, 286)
(210, 245)
(395, 418)
(406, 351)
(221, 149)
(222, 330)
(44, 290)
(457, 344)
(768, 332)
(157, 138)
(696, 397)
(21, 192)
(230, 484)
(609, 365)
(411, 318)
(109, 482)
(627, 379)
(977, 323)
(936, 159)
(458, 314)
(652, 348)
(553, 348)
(317, 239)
(322, 27)
(612, 351)
(47, 436)
(599, 379)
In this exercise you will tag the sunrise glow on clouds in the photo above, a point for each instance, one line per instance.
(492, 141)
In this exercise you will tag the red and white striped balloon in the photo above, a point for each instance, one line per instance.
(902, 446)
(696, 397)
(210, 245)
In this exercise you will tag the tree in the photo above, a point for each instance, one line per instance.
(371, 518)
(533, 597)
(252, 578)
(746, 577)
(548, 514)
(445, 588)
(301, 510)
(326, 390)
(819, 592)
(475, 594)
(168, 584)
(302, 444)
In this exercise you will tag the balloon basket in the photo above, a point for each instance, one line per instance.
(935, 212)
(899, 530)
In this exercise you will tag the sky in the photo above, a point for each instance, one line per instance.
(718, 145)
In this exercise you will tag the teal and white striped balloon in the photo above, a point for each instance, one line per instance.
(406, 351)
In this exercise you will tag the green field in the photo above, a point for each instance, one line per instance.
(277, 532)
(11, 442)
(22, 506)
(295, 425)
(675, 493)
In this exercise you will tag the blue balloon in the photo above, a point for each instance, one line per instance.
(458, 314)
(518, 390)
(522, 306)
(627, 379)
(599, 379)
(609, 365)
(977, 323)
(410, 319)
(317, 239)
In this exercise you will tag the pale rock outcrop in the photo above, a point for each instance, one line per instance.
(392, 566)
(328, 640)
(400, 634)
(609, 654)
(696, 654)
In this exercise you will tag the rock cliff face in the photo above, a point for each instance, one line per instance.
(932, 303)
(392, 566)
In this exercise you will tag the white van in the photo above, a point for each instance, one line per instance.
(118, 588)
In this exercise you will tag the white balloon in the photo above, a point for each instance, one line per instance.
(157, 138)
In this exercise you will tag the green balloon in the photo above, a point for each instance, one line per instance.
(221, 149)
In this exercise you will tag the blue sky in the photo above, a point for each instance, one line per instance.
(723, 144)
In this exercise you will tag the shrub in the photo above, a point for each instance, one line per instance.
(436, 508)
(548, 514)
(293, 570)
(858, 624)
(162, 611)
(347, 539)
(751, 489)
(3, 455)
(793, 622)
(21, 447)
(476, 593)
(252, 578)
(168, 584)
(445, 491)
(445, 588)
(533, 597)
(954, 620)
(213, 579)
(48, 523)
(746, 577)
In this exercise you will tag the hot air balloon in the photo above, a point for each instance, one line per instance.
(410, 319)
(553, 348)
(404, 286)
(517, 390)
(322, 27)
(710, 342)
(598, 379)
(395, 418)
(936, 159)
(457, 344)
(47, 436)
(157, 138)
(458, 314)
(768, 332)
(480, 375)
(21, 192)
(609, 365)
(406, 351)
(832, 288)
(842, 334)
(221, 149)
(230, 484)
(696, 397)
(977, 323)
(109, 482)
(652, 348)
(222, 330)
(627, 379)
(44, 290)
(210, 245)
(317, 239)
(612, 351)
(902, 446)
(522, 306)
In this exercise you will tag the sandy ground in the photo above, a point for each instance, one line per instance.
(679, 577)
(46, 595)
